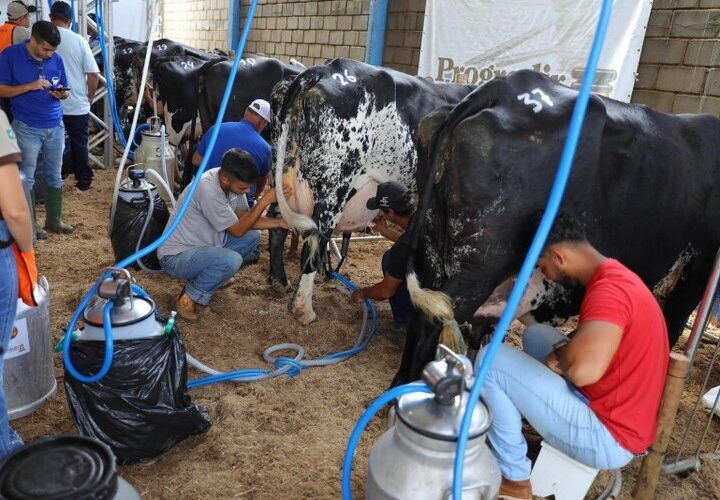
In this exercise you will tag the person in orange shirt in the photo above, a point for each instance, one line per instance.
(17, 27)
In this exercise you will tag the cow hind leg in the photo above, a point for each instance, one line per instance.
(277, 279)
(421, 343)
(686, 295)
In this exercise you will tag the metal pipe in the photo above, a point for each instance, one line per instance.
(362, 238)
(703, 311)
(376, 32)
(689, 464)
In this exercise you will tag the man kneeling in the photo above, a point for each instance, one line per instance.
(218, 234)
(593, 396)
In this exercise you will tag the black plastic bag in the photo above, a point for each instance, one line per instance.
(128, 225)
(141, 408)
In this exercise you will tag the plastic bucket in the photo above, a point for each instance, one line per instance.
(29, 373)
(557, 474)
(65, 467)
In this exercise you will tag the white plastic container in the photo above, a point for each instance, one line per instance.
(557, 474)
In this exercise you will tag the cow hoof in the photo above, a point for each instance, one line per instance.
(305, 319)
(280, 290)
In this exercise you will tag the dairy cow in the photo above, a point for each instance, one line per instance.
(643, 183)
(346, 127)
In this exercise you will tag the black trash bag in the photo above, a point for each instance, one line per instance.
(128, 225)
(141, 408)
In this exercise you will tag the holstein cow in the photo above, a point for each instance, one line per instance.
(644, 184)
(346, 127)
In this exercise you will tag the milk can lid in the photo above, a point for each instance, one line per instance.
(422, 413)
(59, 468)
(121, 315)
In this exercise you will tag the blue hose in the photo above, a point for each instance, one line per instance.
(556, 196)
(183, 208)
(293, 366)
(365, 419)
(140, 128)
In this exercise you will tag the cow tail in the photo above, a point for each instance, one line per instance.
(436, 305)
(303, 224)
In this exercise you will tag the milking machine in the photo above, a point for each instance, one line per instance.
(414, 457)
(155, 152)
(406, 444)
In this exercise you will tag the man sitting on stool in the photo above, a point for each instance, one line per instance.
(218, 233)
(394, 201)
(594, 395)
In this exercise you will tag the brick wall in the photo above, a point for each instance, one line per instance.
(198, 23)
(403, 34)
(310, 32)
(678, 66)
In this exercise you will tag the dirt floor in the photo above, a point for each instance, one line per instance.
(283, 438)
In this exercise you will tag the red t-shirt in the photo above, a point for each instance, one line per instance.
(627, 397)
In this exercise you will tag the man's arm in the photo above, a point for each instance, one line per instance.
(585, 359)
(92, 85)
(8, 91)
(14, 207)
(382, 290)
(197, 158)
(252, 219)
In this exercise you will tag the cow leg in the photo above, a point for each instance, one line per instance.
(277, 279)
(686, 295)
(301, 302)
(421, 343)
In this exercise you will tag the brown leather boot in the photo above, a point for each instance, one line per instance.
(515, 490)
(186, 308)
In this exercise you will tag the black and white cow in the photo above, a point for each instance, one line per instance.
(644, 184)
(346, 127)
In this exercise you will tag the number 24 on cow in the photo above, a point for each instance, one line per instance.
(344, 80)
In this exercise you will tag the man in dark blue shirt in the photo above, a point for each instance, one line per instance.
(245, 135)
(34, 79)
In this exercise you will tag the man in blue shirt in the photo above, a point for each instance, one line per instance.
(245, 135)
(34, 79)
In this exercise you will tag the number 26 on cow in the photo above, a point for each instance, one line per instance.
(348, 78)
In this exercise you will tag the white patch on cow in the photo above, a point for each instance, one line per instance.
(302, 308)
(356, 216)
(335, 154)
(539, 290)
(662, 289)
(175, 137)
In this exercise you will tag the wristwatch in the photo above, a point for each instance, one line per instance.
(559, 345)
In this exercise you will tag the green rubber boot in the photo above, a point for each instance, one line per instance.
(40, 233)
(53, 210)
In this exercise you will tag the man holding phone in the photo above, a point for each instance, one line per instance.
(33, 77)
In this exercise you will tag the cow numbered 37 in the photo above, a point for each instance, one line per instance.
(643, 183)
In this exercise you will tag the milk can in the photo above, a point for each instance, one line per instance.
(155, 150)
(414, 458)
(29, 373)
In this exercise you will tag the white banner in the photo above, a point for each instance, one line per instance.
(473, 41)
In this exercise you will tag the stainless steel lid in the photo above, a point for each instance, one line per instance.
(423, 414)
(125, 313)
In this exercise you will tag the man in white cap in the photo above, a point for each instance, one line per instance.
(17, 27)
(245, 135)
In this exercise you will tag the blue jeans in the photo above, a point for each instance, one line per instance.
(9, 439)
(33, 141)
(519, 384)
(207, 268)
(400, 304)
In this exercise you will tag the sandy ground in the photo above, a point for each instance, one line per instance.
(283, 438)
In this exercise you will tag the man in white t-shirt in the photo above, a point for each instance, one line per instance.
(218, 233)
(82, 75)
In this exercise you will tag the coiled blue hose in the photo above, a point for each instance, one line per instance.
(292, 367)
(376, 406)
(553, 205)
(181, 212)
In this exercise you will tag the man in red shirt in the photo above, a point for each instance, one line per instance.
(594, 395)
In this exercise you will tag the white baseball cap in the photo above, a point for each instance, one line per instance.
(261, 108)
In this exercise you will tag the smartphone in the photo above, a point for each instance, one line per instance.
(64, 89)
